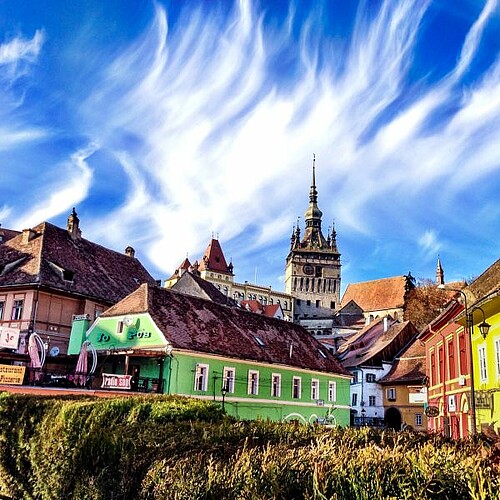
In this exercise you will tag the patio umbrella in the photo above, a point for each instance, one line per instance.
(35, 363)
(81, 366)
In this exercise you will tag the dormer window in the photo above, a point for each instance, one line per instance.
(322, 354)
(68, 275)
(259, 341)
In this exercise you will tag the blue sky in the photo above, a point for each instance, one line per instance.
(165, 122)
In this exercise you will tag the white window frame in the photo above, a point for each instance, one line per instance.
(228, 377)
(372, 398)
(314, 389)
(354, 399)
(276, 388)
(483, 363)
(253, 382)
(17, 309)
(391, 394)
(332, 390)
(497, 356)
(297, 387)
(201, 377)
(419, 420)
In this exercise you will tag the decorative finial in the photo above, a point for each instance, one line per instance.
(314, 170)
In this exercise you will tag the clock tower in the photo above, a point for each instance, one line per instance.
(312, 274)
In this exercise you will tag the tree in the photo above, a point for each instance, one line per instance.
(424, 303)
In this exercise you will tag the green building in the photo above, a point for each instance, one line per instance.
(160, 340)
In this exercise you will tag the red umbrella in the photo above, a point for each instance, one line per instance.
(81, 366)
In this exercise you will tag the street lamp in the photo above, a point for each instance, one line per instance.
(363, 415)
(469, 326)
(223, 391)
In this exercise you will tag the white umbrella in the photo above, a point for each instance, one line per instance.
(81, 366)
(35, 363)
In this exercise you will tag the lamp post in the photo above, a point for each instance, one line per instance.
(469, 326)
(223, 391)
(363, 416)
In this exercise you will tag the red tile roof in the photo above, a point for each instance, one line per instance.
(213, 259)
(185, 264)
(377, 295)
(7, 234)
(372, 344)
(488, 283)
(256, 307)
(409, 365)
(193, 324)
(53, 259)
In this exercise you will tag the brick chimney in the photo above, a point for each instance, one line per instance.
(130, 252)
(73, 226)
(28, 235)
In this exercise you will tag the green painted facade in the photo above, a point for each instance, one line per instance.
(239, 403)
(201, 375)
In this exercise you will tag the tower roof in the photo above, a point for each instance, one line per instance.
(313, 236)
(213, 259)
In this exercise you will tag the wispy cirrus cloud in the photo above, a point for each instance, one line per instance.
(227, 148)
(213, 120)
(70, 188)
(16, 57)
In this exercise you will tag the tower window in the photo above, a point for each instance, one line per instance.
(308, 302)
(318, 303)
(332, 305)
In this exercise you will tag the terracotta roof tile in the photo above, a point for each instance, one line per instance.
(195, 324)
(409, 365)
(213, 259)
(372, 344)
(377, 295)
(485, 284)
(7, 234)
(52, 258)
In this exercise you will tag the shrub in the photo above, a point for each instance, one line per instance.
(164, 447)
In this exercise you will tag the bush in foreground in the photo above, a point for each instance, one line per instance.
(179, 448)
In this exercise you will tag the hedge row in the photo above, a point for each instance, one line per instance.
(179, 448)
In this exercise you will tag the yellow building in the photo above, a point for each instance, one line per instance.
(483, 297)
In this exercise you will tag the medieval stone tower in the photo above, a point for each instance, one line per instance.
(312, 274)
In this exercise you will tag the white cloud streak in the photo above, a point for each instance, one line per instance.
(212, 137)
(71, 188)
(225, 148)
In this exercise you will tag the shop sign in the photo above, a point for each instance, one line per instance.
(483, 400)
(12, 374)
(112, 381)
(417, 395)
(9, 337)
(432, 411)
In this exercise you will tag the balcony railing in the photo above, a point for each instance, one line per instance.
(368, 422)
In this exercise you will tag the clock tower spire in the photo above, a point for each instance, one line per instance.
(312, 273)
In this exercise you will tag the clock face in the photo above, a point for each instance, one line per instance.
(308, 269)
